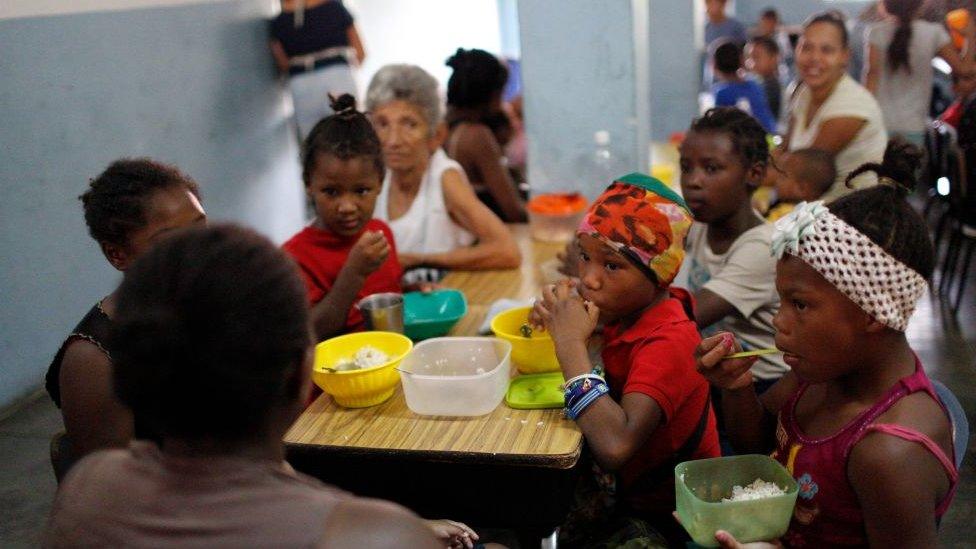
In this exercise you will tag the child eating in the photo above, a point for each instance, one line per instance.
(345, 254)
(807, 175)
(656, 409)
(858, 423)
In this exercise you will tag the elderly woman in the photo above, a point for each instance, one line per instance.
(437, 220)
(830, 111)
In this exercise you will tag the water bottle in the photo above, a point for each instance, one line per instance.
(605, 164)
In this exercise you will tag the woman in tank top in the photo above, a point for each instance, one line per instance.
(437, 220)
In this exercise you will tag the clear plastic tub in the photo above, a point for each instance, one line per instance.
(555, 217)
(700, 486)
(456, 376)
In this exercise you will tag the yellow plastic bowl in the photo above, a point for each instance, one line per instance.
(531, 355)
(360, 388)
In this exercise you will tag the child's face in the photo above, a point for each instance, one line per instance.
(760, 61)
(611, 281)
(167, 210)
(789, 188)
(344, 193)
(406, 137)
(817, 327)
(714, 180)
(715, 9)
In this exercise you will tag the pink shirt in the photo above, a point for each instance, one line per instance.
(140, 496)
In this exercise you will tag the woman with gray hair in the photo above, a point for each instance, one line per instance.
(437, 220)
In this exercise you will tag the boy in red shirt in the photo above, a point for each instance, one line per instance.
(646, 408)
(345, 254)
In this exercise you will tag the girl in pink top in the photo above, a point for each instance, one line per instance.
(856, 420)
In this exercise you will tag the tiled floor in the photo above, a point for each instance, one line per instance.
(947, 347)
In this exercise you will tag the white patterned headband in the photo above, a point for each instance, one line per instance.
(879, 284)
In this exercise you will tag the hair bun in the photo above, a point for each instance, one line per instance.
(343, 105)
(898, 169)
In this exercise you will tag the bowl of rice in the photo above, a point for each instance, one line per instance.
(359, 370)
(751, 497)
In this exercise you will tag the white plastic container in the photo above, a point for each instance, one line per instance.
(456, 376)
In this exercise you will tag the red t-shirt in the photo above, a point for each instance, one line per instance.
(953, 114)
(656, 357)
(321, 254)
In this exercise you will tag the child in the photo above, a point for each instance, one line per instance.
(212, 347)
(723, 159)
(858, 424)
(732, 90)
(129, 207)
(763, 60)
(964, 88)
(657, 413)
(345, 254)
(807, 175)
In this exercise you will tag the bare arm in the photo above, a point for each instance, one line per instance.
(280, 57)
(873, 68)
(710, 308)
(357, 44)
(836, 134)
(964, 61)
(898, 507)
(478, 145)
(93, 416)
(367, 524)
(495, 249)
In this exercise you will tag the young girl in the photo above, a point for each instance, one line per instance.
(345, 254)
(631, 244)
(858, 424)
(213, 349)
(129, 207)
(723, 159)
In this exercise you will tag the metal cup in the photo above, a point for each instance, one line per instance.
(383, 312)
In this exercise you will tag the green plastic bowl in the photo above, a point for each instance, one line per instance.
(433, 314)
(700, 486)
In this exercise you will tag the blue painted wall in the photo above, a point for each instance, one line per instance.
(794, 12)
(191, 85)
(578, 77)
(675, 70)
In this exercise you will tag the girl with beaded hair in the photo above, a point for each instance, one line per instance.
(856, 421)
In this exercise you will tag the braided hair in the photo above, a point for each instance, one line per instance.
(883, 215)
(116, 201)
(345, 134)
(478, 76)
(904, 11)
(196, 356)
(746, 133)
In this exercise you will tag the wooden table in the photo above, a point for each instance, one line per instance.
(511, 468)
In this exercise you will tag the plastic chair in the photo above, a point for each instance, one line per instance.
(957, 416)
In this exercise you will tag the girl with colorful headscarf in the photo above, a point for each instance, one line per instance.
(856, 421)
(637, 399)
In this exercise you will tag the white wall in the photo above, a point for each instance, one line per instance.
(422, 32)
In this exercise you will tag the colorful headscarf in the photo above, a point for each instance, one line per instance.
(643, 219)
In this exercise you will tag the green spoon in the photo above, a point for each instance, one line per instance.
(754, 352)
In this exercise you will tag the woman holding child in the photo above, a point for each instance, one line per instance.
(436, 218)
(830, 111)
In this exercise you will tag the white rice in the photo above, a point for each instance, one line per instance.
(366, 357)
(757, 490)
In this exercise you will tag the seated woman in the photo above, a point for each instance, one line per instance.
(479, 130)
(212, 347)
(129, 207)
(438, 222)
(830, 111)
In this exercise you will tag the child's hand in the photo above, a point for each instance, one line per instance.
(539, 315)
(571, 319)
(726, 541)
(454, 534)
(368, 253)
(728, 374)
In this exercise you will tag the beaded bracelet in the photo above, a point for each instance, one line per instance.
(569, 384)
(573, 411)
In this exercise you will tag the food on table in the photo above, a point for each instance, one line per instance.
(366, 357)
(525, 330)
(757, 490)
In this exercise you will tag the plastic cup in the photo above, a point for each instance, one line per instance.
(383, 312)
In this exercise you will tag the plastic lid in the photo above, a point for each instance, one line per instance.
(557, 203)
(536, 391)
(602, 137)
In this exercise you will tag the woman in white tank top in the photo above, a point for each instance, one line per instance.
(436, 218)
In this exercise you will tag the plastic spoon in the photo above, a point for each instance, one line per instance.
(754, 352)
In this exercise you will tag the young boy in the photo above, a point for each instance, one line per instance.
(732, 90)
(808, 174)
(762, 60)
(639, 402)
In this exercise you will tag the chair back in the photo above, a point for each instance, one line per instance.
(957, 416)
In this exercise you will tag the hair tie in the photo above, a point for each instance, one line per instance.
(885, 180)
